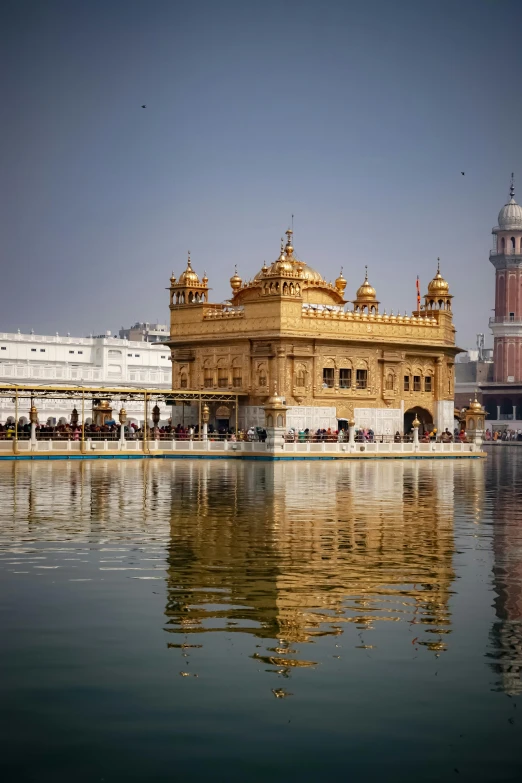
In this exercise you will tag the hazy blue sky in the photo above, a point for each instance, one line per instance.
(358, 117)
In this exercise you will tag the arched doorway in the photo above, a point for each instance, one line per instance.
(424, 416)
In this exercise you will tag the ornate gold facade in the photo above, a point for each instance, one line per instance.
(290, 329)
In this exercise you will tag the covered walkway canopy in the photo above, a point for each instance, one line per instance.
(91, 393)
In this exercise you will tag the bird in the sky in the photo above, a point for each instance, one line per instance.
(462, 172)
(144, 106)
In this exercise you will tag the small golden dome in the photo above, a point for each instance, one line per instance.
(475, 405)
(438, 285)
(204, 279)
(340, 283)
(172, 279)
(366, 293)
(235, 281)
(282, 266)
(188, 277)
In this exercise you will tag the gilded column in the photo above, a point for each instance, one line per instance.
(281, 366)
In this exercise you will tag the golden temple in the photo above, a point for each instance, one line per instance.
(329, 358)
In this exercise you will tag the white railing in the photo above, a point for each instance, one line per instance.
(238, 448)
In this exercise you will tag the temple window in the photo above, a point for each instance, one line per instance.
(208, 379)
(406, 383)
(512, 240)
(389, 381)
(512, 316)
(328, 377)
(345, 378)
(183, 381)
(427, 383)
(222, 377)
(362, 379)
(300, 379)
(416, 383)
(503, 244)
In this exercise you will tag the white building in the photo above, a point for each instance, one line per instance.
(103, 361)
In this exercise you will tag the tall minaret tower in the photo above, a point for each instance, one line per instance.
(506, 326)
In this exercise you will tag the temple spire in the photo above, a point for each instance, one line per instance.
(512, 187)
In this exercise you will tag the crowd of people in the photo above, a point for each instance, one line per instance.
(503, 435)
(133, 431)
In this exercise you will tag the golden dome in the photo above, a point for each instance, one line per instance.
(235, 281)
(340, 283)
(366, 293)
(287, 262)
(475, 405)
(188, 277)
(438, 285)
(281, 266)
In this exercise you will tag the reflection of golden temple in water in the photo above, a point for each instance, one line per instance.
(281, 551)
(297, 550)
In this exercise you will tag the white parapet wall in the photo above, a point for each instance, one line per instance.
(300, 417)
(268, 450)
(383, 421)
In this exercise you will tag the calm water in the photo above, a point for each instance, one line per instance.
(236, 621)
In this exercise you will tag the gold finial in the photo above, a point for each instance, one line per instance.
(512, 187)
(188, 262)
(416, 422)
(340, 283)
(289, 248)
(235, 280)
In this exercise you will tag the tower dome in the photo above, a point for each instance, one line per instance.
(438, 285)
(188, 277)
(366, 292)
(510, 216)
(366, 298)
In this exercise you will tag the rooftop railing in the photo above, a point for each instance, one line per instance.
(508, 251)
(500, 319)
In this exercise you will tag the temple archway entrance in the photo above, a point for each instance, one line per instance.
(424, 416)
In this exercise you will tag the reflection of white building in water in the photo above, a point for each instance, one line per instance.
(102, 361)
